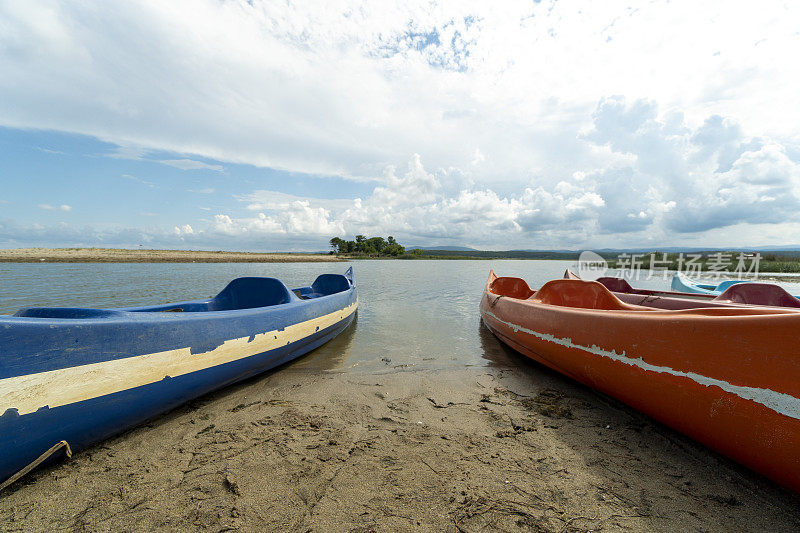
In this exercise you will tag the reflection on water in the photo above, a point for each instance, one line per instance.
(494, 352)
(412, 314)
(331, 355)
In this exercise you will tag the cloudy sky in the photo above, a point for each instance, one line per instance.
(277, 125)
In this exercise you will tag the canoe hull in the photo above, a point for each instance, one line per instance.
(84, 423)
(163, 366)
(704, 377)
(681, 283)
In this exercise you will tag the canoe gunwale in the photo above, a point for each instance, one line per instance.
(160, 312)
(698, 313)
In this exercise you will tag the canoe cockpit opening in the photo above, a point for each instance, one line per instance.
(324, 285)
(65, 312)
(511, 287)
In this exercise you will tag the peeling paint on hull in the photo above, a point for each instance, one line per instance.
(779, 402)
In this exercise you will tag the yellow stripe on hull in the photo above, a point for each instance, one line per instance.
(64, 386)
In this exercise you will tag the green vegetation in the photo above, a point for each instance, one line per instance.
(489, 254)
(367, 247)
(780, 264)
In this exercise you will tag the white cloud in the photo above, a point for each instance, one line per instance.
(414, 187)
(667, 181)
(183, 230)
(478, 158)
(263, 200)
(662, 181)
(62, 207)
(349, 88)
(190, 164)
(127, 151)
(415, 206)
(49, 151)
(146, 183)
(299, 219)
(762, 186)
(689, 180)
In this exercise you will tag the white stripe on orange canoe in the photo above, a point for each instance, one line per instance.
(54, 388)
(780, 402)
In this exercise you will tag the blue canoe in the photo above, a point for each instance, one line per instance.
(681, 283)
(72, 377)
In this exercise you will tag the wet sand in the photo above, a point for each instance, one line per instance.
(478, 448)
(114, 255)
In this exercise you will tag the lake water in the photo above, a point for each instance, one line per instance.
(412, 314)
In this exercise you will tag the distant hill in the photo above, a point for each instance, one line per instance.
(507, 254)
(793, 249)
(608, 253)
(674, 249)
(444, 248)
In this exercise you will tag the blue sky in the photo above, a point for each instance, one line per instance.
(64, 189)
(266, 126)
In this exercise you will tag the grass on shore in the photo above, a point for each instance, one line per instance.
(120, 255)
(782, 263)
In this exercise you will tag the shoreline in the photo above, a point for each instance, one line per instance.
(119, 255)
(515, 448)
(122, 255)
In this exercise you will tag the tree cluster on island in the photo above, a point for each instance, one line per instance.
(372, 246)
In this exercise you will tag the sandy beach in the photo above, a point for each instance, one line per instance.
(115, 255)
(473, 449)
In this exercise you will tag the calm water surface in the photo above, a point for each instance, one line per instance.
(412, 314)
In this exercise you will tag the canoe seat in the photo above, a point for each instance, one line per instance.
(247, 293)
(511, 287)
(326, 284)
(579, 293)
(758, 294)
(615, 284)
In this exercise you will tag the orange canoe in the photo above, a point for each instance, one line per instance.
(728, 377)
